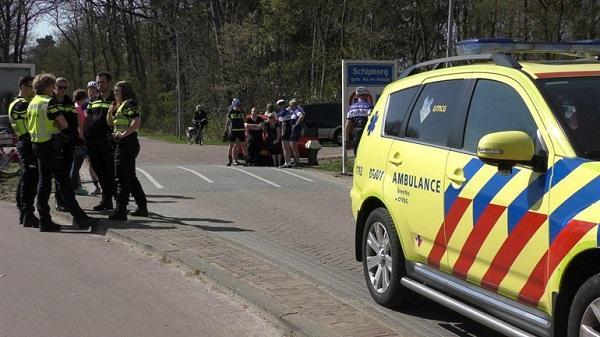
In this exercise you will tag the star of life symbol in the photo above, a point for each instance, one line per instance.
(418, 240)
(372, 124)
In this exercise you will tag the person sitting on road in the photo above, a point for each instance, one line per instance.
(234, 127)
(254, 128)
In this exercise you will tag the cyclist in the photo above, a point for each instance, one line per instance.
(357, 116)
(200, 121)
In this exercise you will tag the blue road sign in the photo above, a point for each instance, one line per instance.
(370, 74)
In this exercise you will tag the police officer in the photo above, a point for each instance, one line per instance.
(67, 109)
(26, 188)
(98, 139)
(48, 129)
(357, 117)
(125, 119)
(234, 126)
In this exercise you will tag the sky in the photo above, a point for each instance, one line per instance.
(41, 29)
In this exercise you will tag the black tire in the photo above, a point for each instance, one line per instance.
(337, 137)
(586, 294)
(395, 295)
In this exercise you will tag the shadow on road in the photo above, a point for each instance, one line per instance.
(168, 196)
(453, 322)
(154, 219)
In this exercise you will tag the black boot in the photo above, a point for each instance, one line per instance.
(140, 211)
(30, 220)
(82, 222)
(118, 215)
(21, 216)
(104, 206)
(49, 226)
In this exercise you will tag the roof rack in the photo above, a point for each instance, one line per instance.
(578, 49)
(500, 59)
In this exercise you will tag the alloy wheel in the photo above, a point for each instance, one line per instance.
(590, 322)
(379, 257)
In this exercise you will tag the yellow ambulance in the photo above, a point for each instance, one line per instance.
(477, 184)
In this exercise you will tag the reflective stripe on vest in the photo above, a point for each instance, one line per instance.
(120, 121)
(99, 104)
(40, 127)
(18, 119)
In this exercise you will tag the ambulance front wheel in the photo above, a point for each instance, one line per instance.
(584, 316)
(383, 260)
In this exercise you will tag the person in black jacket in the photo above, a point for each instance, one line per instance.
(98, 139)
(200, 121)
(67, 109)
(28, 180)
(124, 117)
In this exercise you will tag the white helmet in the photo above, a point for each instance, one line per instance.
(236, 102)
(361, 91)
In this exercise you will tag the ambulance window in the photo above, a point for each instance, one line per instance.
(495, 107)
(397, 108)
(434, 112)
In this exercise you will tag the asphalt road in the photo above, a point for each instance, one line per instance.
(297, 217)
(76, 284)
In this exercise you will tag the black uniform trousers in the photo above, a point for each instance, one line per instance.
(126, 151)
(102, 159)
(51, 163)
(253, 146)
(356, 134)
(68, 154)
(28, 180)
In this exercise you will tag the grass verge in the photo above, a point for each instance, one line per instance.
(9, 179)
(335, 165)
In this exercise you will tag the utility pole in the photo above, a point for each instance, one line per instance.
(178, 133)
(450, 20)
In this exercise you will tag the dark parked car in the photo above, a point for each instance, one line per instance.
(324, 120)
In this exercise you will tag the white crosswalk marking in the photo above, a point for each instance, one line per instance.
(152, 180)
(196, 173)
(250, 174)
(292, 174)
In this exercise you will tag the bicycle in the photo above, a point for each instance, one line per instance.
(194, 134)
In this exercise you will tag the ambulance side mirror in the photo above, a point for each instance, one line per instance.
(505, 149)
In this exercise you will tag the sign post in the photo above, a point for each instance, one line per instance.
(373, 75)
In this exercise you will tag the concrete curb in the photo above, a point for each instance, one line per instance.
(299, 324)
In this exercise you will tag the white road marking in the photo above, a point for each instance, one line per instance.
(292, 174)
(196, 173)
(152, 180)
(250, 174)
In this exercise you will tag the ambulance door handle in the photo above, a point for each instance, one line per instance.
(457, 178)
(396, 160)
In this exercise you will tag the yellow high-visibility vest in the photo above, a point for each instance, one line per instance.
(17, 114)
(40, 127)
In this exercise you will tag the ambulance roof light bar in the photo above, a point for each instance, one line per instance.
(580, 49)
(499, 59)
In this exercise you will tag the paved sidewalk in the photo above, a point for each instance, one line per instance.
(305, 307)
